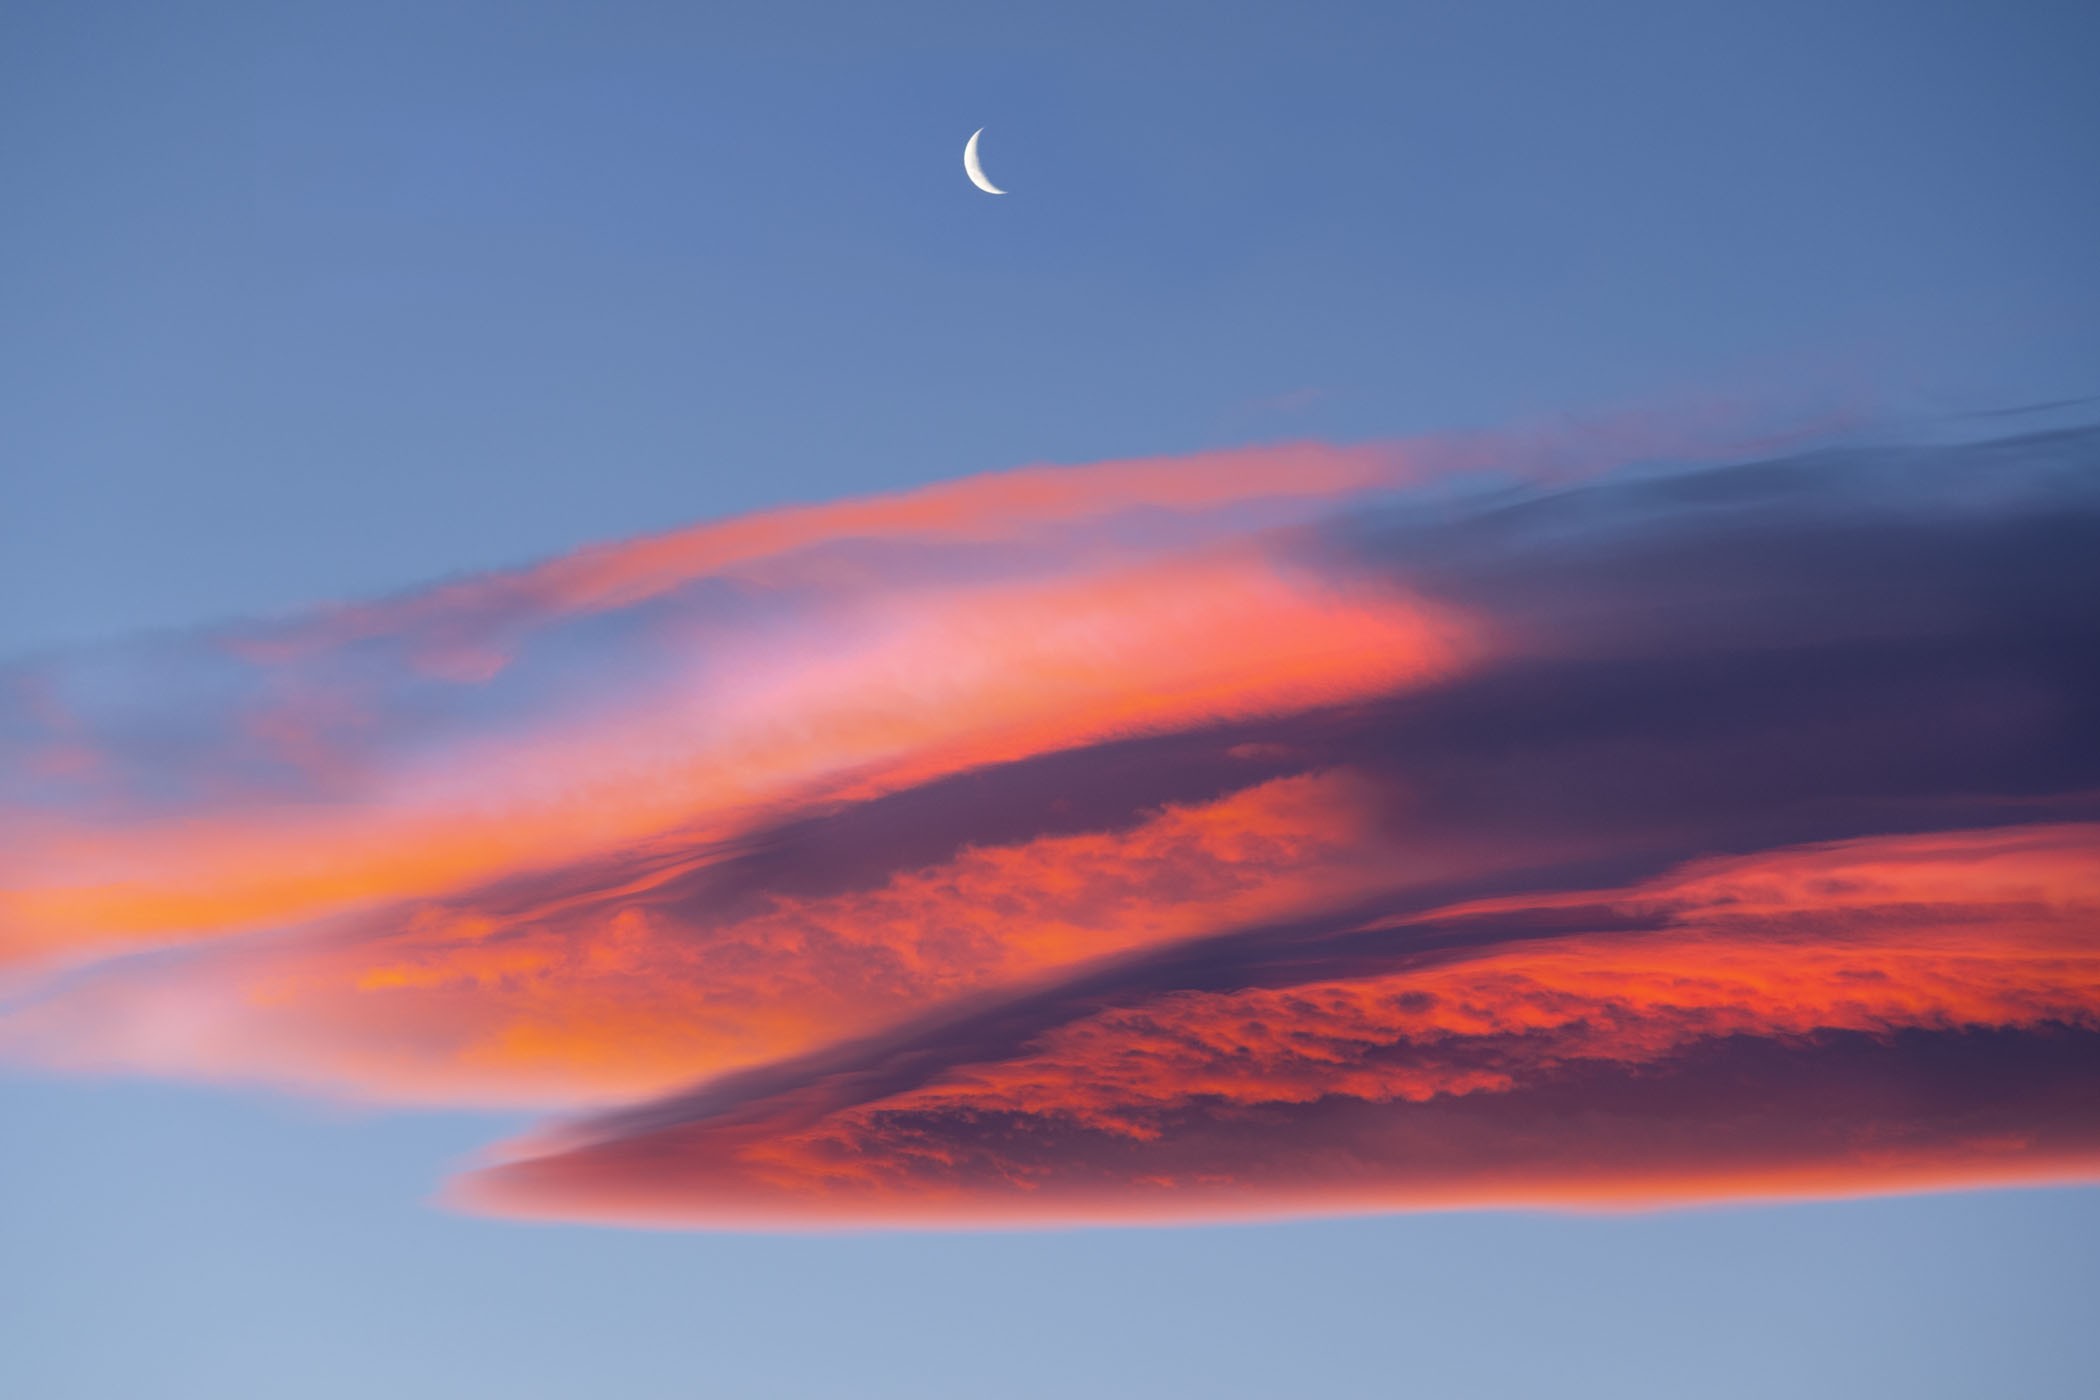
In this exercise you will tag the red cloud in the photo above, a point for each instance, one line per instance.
(868, 695)
(1589, 1069)
(607, 995)
(1259, 833)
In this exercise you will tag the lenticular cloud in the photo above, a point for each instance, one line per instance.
(1270, 832)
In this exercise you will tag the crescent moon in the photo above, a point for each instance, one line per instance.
(975, 171)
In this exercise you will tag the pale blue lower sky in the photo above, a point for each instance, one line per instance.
(213, 1245)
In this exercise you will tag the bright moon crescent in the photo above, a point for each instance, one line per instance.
(975, 171)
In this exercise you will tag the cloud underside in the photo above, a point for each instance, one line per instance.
(1285, 832)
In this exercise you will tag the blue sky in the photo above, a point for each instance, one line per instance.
(307, 304)
(201, 1244)
(316, 302)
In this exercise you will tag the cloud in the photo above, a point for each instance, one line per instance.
(309, 785)
(1764, 1026)
(1289, 831)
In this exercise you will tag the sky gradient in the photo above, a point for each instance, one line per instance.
(1473, 620)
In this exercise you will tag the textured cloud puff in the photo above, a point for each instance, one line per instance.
(1283, 831)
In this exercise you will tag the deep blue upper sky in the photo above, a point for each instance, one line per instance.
(306, 302)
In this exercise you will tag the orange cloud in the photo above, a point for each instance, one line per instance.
(878, 693)
(1239, 1099)
(608, 996)
(1955, 931)
(1249, 834)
